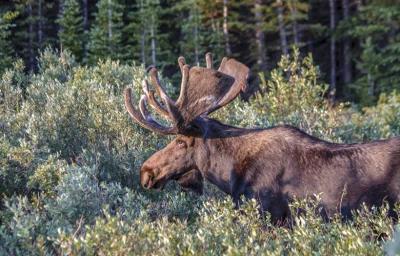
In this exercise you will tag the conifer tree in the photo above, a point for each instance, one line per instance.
(192, 30)
(71, 29)
(106, 32)
(142, 33)
(6, 49)
(24, 37)
(153, 10)
(282, 27)
(298, 13)
(132, 32)
(260, 36)
(212, 21)
(377, 27)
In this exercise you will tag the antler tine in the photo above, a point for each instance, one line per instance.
(209, 61)
(185, 78)
(173, 112)
(156, 83)
(143, 110)
(181, 62)
(143, 117)
(152, 100)
(223, 63)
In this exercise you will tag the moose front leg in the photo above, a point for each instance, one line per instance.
(275, 203)
(192, 181)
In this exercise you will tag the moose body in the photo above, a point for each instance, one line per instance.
(279, 164)
(273, 165)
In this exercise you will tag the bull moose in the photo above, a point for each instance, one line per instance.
(273, 165)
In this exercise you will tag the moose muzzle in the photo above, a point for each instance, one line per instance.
(146, 177)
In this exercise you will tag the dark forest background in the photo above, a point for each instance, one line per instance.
(356, 43)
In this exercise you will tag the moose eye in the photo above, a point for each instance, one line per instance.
(181, 143)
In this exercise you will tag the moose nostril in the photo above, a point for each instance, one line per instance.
(146, 177)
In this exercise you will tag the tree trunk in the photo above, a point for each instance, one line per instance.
(282, 31)
(31, 56)
(196, 36)
(40, 24)
(346, 47)
(85, 27)
(371, 85)
(225, 28)
(293, 13)
(60, 29)
(143, 34)
(110, 32)
(142, 46)
(359, 4)
(60, 12)
(260, 36)
(153, 41)
(332, 48)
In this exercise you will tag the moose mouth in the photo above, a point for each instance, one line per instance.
(160, 183)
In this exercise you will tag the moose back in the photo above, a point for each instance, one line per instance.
(273, 165)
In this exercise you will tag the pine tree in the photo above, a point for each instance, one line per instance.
(85, 10)
(153, 10)
(332, 26)
(24, 37)
(265, 23)
(106, 32)
(347, 70)
(377, 27)
(260, 36)
(293, 16)
(212, 21)
(34, 29)
(145, 41)
(6, 49)
(132, 33)
(71, 28)
(282, 27)
(192, 31)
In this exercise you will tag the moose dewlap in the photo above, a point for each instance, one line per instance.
(273, 165)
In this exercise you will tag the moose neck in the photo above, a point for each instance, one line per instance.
(219, 152)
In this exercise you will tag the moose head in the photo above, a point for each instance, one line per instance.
(203, 91)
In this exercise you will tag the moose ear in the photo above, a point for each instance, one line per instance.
(239, 72)
(198, 127)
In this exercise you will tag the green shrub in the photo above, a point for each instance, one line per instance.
(47, 176)
(380, 121)
(221, 230)
(22, 229)
(16, 165)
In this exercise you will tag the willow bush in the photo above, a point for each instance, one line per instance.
(70, 157)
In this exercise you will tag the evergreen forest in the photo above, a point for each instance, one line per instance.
(355, 43)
